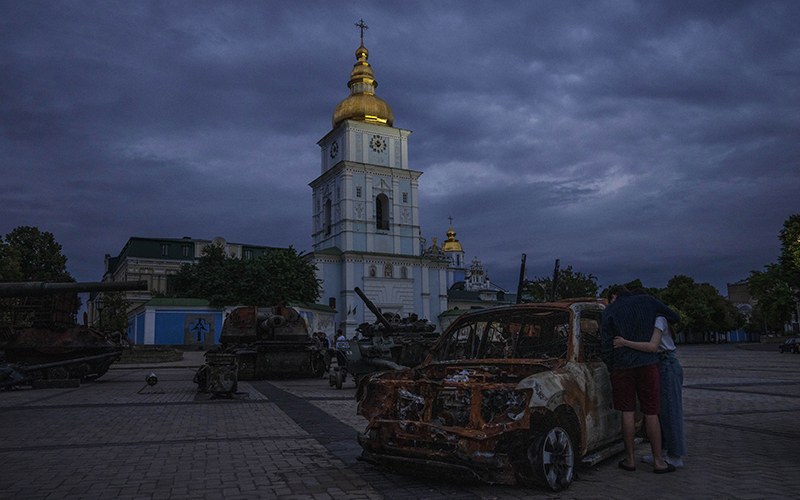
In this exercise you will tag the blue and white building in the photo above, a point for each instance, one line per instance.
(365, 213)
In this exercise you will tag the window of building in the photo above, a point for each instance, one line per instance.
(358, 191)
(248, 254)
(327, 217)
(164, 249)
(403, 272)
(187, 251)
(387, 271)
(332, 302)
(405, 196)
(382, 212)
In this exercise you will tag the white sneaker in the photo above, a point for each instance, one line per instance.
(673, 460)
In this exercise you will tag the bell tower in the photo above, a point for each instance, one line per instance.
(365, 212)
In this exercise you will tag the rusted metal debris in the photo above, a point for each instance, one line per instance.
(508, 394)
(259, 343)
(390, 343)
(39, 337)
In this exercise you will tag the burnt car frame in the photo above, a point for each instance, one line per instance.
(508, 394)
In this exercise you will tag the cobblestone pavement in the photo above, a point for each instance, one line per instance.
(118, 438)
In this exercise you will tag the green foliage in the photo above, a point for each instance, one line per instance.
(702, 308)
(775, 298)
(634, 285)
(280, 275)
(790, 251)
(571, 284)
(31, 255)
(115, 312)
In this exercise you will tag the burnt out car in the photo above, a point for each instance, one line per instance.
(508, 394)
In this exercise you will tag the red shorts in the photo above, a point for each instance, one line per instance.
(642, 382)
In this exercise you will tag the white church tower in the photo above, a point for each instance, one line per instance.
(365, 207)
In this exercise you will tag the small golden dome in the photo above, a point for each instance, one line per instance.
(362, 104)
(452, 244)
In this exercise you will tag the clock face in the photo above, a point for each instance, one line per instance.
(377, 144)
(334, 149)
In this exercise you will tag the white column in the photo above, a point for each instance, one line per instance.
(415, 215)
(396, 205)
(426, 293)
(369, 211)
(149, 326)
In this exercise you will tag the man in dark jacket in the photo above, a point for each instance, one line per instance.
(633, 372)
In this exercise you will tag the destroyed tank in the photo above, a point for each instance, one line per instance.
(40, 338)
(391, 343)
(269, 343)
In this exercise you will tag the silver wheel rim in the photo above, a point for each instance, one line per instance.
(558, 459)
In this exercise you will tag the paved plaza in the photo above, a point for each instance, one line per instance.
(117, 438)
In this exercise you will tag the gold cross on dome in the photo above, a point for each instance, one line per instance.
(363, 27)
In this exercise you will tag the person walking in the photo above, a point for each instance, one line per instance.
(670, 372)
(634, 374)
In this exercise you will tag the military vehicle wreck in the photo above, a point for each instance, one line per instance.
(508, 394)
(40, 339)
(263, 343)
(391, 343)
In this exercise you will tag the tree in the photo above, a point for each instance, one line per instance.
(31, 255)
(114, 317)
(703, 310)
(280, 275)
(775, 299)
(635, 285)
(571, 284)
(790, 251)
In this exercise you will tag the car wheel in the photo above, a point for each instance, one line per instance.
(552, 459)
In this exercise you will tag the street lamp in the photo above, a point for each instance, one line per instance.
(98, 304)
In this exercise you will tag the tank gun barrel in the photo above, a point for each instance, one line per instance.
(38, 288)
(375, 310)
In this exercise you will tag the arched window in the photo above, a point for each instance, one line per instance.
(382, 212)
(328, 217)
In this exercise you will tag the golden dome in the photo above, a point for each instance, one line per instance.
(362, 104)
(452, 244)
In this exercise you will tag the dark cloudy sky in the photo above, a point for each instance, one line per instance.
(628, 139)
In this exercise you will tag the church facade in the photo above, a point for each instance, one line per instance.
(365, 214)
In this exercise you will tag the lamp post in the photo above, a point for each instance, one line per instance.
(98, 304)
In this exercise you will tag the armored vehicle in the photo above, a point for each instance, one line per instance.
(40, 339)
(391, 343)
(269, 342)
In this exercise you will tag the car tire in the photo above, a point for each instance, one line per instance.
(552, 459)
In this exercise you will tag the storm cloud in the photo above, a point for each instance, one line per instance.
(628, 139)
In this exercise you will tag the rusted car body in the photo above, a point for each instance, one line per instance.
(507, 394)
